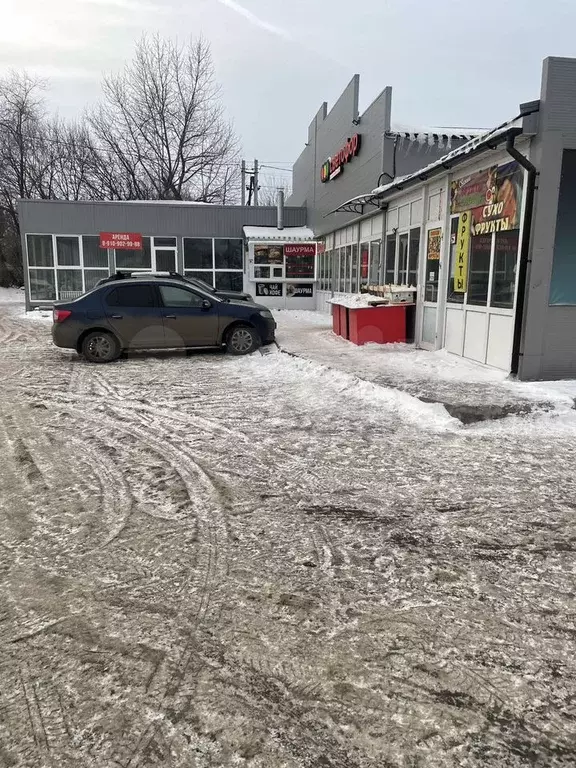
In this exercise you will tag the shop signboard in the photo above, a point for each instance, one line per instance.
(269, 289)
(300, 290)
(300, 260)
(462, 251)
(334, 165)
(493, 196)
(121, 241)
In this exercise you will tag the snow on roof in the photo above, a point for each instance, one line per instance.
(280, 235)
(451, 132)
(457, 154)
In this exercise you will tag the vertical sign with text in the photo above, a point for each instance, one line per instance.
(462, 251)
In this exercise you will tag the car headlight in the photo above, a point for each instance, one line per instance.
(267, 314)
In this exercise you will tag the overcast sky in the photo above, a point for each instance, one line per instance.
(450, 62)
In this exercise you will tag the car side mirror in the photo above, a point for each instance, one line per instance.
(206, 304)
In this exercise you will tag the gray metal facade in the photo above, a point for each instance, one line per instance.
(150, 218)
(154, 219)
(328, 131)
(549, 332)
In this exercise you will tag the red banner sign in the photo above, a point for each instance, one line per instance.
(300, 249)
(121, 241)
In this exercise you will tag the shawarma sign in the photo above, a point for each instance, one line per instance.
(493, 197)
(334, 165)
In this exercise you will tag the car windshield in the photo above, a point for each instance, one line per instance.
(201, 284)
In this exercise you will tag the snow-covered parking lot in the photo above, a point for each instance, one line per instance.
(281, 561)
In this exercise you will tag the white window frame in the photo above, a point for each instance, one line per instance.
(55, 268)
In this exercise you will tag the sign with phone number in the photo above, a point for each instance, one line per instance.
(121, 241)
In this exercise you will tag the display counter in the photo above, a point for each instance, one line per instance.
(363, 323)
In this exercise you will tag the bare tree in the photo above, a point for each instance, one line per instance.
(269, 186)
(25, 161)
(161, 129)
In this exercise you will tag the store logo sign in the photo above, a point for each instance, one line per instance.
(334, 166)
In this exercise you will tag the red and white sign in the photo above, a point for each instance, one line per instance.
(300, 249)
(121, 241)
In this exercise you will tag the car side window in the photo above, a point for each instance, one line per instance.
(172, 296)
(131, 296)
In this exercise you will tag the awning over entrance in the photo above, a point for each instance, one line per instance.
(285, 235)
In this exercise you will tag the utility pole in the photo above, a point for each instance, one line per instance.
(244, 182)
(250, 190)
(255, 182)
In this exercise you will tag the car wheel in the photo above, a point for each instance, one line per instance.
(242, 340)
(100, 347)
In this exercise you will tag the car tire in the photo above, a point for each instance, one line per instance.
(242, 340)
(100, 347)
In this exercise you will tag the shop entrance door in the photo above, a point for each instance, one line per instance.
(431, 286)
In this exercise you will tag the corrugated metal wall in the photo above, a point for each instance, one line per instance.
(87, 218)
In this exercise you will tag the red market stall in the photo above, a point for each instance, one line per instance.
(376, 323)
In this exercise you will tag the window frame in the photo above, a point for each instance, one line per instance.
(213, 271)
(55, 269)
(488, 306)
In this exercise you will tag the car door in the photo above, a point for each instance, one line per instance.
(190, 319)
(133, 313)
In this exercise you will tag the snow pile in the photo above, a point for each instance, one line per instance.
(313, 380)
(11, 295)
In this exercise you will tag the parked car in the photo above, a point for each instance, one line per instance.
(157, 313)
(235, 295)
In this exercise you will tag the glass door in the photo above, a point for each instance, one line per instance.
(431, 285)
(164, 254)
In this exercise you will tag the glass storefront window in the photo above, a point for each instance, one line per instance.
(135, 259)
(207, 276)
(42, 285)
(354, 269)
(68, 251)
(390, 262)
(413, 256)
(228, 254)
(479, 270)
(342, 281)
(198, 253)
(92, 276)
(453, 296)
(504, 278)
(69, 283)
(94, 256)
(374, 275)
(403, 259)
(347, 259)
(229, 281)
(40, 252)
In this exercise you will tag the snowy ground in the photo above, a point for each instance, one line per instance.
(266, 562)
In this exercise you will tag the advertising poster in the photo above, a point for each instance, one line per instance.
(462, 251)
(493, 196)
(434, 244)
(268, 254)
(269, 289)
(300, 291)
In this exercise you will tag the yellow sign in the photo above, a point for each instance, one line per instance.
(462, 250)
